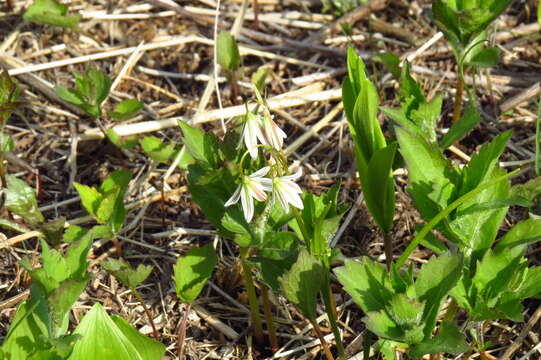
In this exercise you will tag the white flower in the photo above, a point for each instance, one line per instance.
(252, 186)
(253, 130)
(287, 191)
(274, 136)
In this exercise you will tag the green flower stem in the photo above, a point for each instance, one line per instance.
(537, 139)
(252, 296)
(457, 108)
(443, 214)
(147, 312)
(332, 314)
(302, 227)
(273, 340)
(324, 344)
(388, 248)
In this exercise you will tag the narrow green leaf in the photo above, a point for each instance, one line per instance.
(101, 84)
(378, 187)
(70, 95)
(227, 51)
(90, 198)
(21, 200)
(302, 283)
(467, 122)
(193, 270)
(131, 278)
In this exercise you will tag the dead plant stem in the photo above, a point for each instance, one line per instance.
(147, 312)
(273, 340)
(182, 332)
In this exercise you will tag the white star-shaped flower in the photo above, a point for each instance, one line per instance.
(274, 136)
(287, 191)
(252, 186)
(253, 130)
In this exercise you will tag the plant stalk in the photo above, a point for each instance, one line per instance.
(388, 248)
(182, 332)
(457, 108)
(324, 344)
(444, 213)
(252, 296)
(273, 340)
(537, 139)
(332, 314)
(147, 312)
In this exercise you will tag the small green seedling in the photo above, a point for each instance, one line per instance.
(106, 203)
(51, 12)
(192, 272)
(132, 278)
(403, 310)
(374, 157)
(464, 24)
(228, 56)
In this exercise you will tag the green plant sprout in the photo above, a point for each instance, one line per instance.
(464, 24)
(228, 56)
(373, 156)
(106, 203)
(132, 278)
(192, 272)
(91, 90)
(51, 12)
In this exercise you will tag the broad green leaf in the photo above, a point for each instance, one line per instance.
(495, 271)
(62, 299)
(524, 233)
(482, 163)
(101, 84)
(90, 198)
(70, 95)
(21, 200)
(434, 281)
(449, 340)
(487, 57)
(447, 20)
(51, 12)
(13, 226)
(366, 282)
(302, 283)
(227, 51)
(426, 116)
(157, 150)
(531, 285)
(6, 143)
(131, 278)
(26, 330)
(467, 122)
(126, 109)
(104, 337)
(9, 93)
(378, 187)
(202, 146)
(409, 88)
(193, 270)
(276, 256)
(405, 312)
(431, 176)
(356, 72)
(114, 189)
(381, 324)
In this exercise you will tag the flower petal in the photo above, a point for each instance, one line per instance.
(235, 198)
(261, 172)
(297, 175)
(266, 183)
(256, 190)
(247, 204)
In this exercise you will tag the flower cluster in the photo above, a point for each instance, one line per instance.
(262, 128)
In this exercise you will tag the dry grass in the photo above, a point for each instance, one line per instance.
(162, 53)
